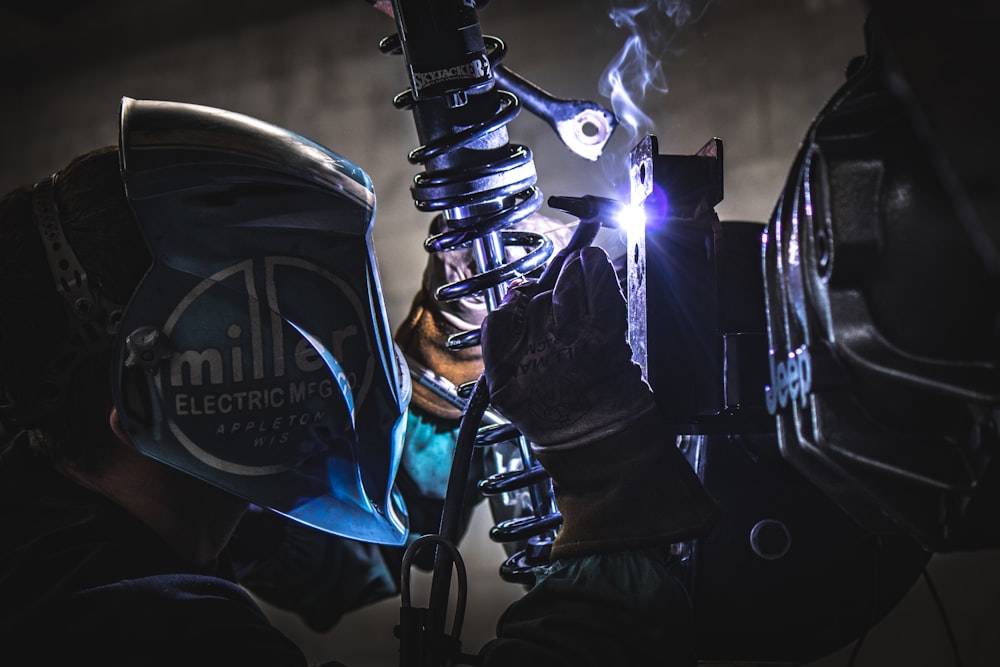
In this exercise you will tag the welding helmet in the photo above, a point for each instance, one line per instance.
(882, 319)
(255, 354)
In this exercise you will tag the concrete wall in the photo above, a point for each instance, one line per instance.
(753, 72)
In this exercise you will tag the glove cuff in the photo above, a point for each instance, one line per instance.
(571, 420)
(631, 490)
(423, 337)
(601, 424)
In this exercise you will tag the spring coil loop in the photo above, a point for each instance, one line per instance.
(523, 488)
(477, 204)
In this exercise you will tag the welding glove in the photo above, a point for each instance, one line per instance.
(559, 367)
(424, 333)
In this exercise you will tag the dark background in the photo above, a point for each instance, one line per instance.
(753, 72)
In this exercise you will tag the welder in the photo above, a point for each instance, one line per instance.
(198, 372)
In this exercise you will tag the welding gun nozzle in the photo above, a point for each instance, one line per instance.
(589, 208)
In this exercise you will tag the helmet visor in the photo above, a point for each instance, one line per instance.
(255, 353)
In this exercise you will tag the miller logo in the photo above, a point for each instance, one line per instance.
(791, 380)
(270, 358)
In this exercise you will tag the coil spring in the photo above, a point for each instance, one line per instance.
(477, 204)
(521, 486)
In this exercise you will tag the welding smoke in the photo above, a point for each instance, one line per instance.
(638, 68)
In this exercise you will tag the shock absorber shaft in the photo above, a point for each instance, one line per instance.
(489, 254)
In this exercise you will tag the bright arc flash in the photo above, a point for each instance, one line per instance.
(631, 219)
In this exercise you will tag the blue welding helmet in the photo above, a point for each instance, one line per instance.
(255, 354)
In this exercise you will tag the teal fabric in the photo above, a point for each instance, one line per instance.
(427, 454)
(321, 577)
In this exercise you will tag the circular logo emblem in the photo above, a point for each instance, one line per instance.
(270, 358)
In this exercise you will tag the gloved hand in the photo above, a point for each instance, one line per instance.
(559, 367)
(424, 333)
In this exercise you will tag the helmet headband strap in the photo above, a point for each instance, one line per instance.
(91, 318)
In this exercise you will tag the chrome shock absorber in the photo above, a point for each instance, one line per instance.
(480, 185)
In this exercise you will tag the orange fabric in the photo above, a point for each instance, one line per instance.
(422, 337)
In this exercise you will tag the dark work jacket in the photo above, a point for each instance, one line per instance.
(84, 582)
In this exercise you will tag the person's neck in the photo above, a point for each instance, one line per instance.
(194, 518)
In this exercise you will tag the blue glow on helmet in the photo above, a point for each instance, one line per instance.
(277, 378)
